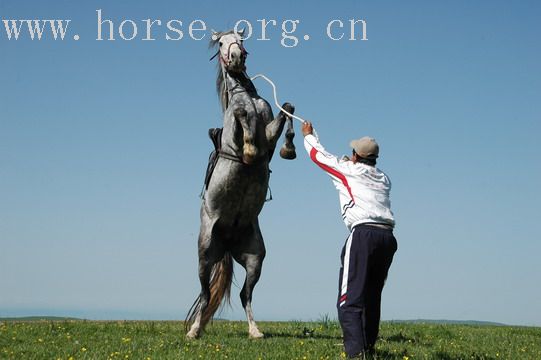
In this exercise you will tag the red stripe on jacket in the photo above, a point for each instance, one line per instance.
(331, 171)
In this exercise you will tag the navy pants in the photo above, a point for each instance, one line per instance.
(366, 258)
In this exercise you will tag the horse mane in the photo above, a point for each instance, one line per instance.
(220, 84)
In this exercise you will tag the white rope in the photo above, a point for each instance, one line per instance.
(276, 100)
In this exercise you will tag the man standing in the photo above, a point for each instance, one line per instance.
(368, 252)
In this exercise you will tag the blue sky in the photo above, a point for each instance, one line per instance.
(103, 149)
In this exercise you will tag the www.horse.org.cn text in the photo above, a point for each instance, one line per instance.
(114, 29)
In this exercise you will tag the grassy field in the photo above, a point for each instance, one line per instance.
(73, 339)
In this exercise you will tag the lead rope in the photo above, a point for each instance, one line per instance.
(276, 100)
(314, 132)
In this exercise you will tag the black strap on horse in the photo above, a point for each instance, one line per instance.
(215, 136)
(230, 156)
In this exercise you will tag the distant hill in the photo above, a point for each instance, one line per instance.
(457, 322)
(38, 318)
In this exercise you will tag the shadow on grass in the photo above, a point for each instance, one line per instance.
(384, 354)
(270, 334)
(400, 338)
(440, 355)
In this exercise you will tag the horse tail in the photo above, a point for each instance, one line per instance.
(220, 288)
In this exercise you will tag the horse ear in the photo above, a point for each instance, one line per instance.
(215, 35)
(241, 32)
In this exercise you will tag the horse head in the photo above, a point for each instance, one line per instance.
(231, 51)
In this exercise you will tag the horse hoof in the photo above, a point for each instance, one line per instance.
(289, 108)
(288, 153)
(192, 335)
(256, 334)
(249, 154)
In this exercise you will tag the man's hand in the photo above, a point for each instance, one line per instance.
(307, 128)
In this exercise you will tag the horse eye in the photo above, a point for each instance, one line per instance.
(220, 43)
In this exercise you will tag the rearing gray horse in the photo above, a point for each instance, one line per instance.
(237, 188)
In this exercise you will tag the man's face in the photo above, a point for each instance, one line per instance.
(353, 156)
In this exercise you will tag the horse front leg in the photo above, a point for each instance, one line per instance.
(275, 128)
(249, 150)
(288, 149)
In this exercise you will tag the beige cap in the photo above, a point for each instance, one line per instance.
(366, 147)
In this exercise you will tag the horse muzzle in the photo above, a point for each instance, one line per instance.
(236, 64)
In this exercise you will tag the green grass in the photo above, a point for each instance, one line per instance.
(71, 339)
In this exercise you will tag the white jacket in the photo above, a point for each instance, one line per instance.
(363, 189)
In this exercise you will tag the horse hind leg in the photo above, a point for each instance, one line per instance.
(217, 286)
(215, 275)
(253, 264)
(201, 303)
(251, 259)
